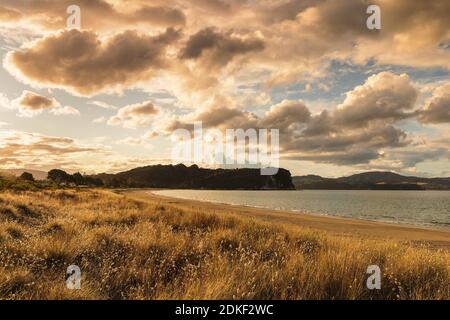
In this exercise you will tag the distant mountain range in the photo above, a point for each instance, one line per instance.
(371, 181)
(193, 177)
(37, 174)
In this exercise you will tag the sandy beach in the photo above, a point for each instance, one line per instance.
(337, 225)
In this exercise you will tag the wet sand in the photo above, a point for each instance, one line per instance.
(336, 225)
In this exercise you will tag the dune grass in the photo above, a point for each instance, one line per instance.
(128, 249)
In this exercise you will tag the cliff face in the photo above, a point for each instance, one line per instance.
(193, 177)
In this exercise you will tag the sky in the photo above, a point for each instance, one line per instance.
(109, 95)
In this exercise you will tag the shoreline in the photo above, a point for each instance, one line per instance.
(298, 211)
(348, 227)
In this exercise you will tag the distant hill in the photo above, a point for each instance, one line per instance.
(371, 181)
(193, 177)
(37, 174)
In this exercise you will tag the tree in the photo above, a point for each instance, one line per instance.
(59, 176)
(78, 179)
(26, 176)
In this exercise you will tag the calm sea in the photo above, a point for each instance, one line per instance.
(426, 208)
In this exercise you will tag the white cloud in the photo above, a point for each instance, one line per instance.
(102, 104)
(135, 115)
(140, 141)
(65, 111)
(100, 120)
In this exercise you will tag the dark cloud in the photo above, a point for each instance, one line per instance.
(223, 47)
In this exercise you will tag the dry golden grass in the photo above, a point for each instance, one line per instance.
(134, 250)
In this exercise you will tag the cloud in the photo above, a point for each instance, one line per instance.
(135, 115)
(101, 104)
(302, 43)
(359, 131)
(23, 149)
(164, 16)
(100, 120)
(385, 96)
(285, 114)
(96, 14)
(84, 64)
(66, 111)
(218, 6)
(8, 14)
(31, 104)
(437, 108)
(342, 158)
(403, 39)
(286, 10)
(320, 124)
(227, 75)
(220, 114)
(4, 101)
(139, 141)
(220, 48)
(282, 42)
(371, 138)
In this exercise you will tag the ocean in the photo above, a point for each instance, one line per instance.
(422, 208)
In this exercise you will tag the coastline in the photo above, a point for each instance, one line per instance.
(347, 227)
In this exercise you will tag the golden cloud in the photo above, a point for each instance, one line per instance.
(31, 104)
(385, 96)
(96, 14)
(437, 108)
(81, 62)
(134, 115)
(35, 102)
(8, 14)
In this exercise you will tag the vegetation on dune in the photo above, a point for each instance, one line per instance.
(77, 179)
(134, 250)
(18, 184)
(57, 179)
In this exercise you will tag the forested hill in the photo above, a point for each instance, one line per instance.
(193, 177)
